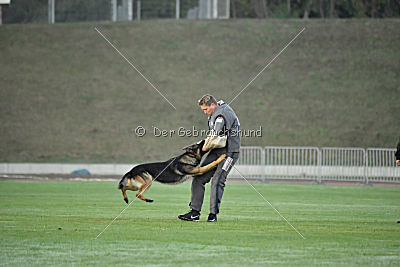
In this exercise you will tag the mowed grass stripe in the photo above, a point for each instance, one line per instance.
(343, 225)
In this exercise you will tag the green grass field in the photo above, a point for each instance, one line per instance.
(352, 225)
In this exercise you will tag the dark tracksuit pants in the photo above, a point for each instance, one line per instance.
(217, 177)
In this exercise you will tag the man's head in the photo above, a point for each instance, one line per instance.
(208, 104)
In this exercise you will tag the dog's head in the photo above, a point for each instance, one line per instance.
(195, 149)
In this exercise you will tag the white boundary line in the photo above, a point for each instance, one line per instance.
(269, 203)
(255, 77)
(133, 200)
(134, 67)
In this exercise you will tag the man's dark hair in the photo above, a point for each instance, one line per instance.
(207, 100)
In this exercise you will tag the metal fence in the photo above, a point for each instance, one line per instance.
(296, 162)
(318, 164)
(342, 164)
(270, 162)
(50, 11)
(250, 163)
(59, 11)
(381, 165)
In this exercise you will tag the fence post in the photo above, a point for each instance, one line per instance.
(51, 12)
(366, 168)
(138, 11)
(129, 7)
(177, 9)
(263, 164)
(228, 8)
(114, 10)
(319, 164)
(215, 9)
(208, 9)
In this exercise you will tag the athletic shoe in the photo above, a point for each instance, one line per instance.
(193, 216)
(212, 217)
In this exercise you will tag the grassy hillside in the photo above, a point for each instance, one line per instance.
(66, 95)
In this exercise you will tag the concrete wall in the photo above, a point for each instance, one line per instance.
(56, 168)
(248, 171)
(391, 174)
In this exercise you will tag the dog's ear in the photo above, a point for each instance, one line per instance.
(189, 147)
(123, 182)
(193, 147)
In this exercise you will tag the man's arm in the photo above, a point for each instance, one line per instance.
(214, 140)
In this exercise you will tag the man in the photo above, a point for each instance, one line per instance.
(398, 153)
(222, 122)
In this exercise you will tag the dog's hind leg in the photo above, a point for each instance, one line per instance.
(143, 189)
(201, 170)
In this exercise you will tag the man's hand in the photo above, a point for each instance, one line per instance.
(398, 162)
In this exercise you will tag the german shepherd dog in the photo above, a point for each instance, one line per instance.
(173, 171)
